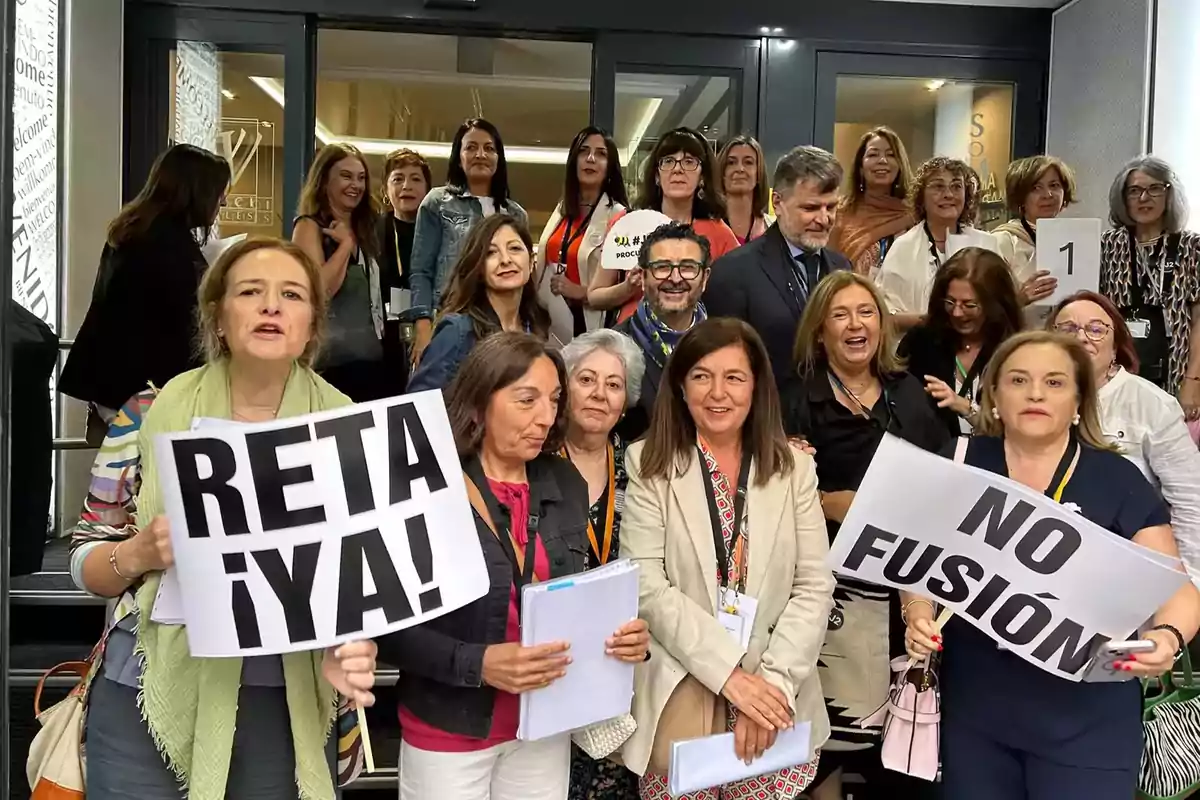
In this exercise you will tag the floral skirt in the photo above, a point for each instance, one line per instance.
(600, 779)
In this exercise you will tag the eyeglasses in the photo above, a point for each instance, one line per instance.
(1095, 330)
(688, 163)
(952, 189)
(661, 270)
(1155, 190)
(968, 307)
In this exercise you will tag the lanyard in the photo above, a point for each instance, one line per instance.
(725, 555)
(396, 239)
(611, 492)
(568, 238)
(969, 377)
(1030, 230)
(1157, 254)
(520, 558)
(1062, 472)
(937, 258)
(862, 407)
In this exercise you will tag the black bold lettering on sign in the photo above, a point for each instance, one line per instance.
(245, 620)
(402, 473)
(1066, 637)
(293, 590)
(270, 480)
(389, 592)
(987, 597)
(1010, 609)
(1069, 542)
(422, 558)
(990, 509)
(954, 588)
(356, 477)
(192, 487)
(892, 570)
(865, 546)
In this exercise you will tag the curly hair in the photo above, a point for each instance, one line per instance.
(959, 169)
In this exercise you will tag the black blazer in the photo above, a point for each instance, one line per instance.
(929, 352)
(756, 283)
(141, 324)
(637, 418)
(441, 661)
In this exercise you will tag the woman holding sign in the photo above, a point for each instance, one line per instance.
(849, 390)
(1038, 187)
(1011, 730)
(158, 718)
(736, 632)
(462, 674)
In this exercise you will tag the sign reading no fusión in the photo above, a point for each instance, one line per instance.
(1034, 575)
(311, 531)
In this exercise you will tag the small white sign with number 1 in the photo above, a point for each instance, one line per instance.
(1069, 249)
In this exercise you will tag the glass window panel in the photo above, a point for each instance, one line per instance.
(934, 116)
(380, 91)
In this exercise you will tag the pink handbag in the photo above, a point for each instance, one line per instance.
(911, 720)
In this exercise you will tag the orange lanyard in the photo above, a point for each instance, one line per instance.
(609, 512)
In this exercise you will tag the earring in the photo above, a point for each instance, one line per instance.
(995, 413)
(1075, 420)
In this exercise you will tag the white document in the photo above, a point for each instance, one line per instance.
(585, 610)
(1034, 575)
(709, 761)
(399, 301)
(213, 249)
(970, 237)
(1069, 249)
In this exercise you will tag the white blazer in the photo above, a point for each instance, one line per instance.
(666, 530)
(906, 276)
(562, 324)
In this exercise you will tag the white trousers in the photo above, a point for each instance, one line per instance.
(511, 771)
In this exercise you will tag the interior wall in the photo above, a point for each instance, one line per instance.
(1176, 100)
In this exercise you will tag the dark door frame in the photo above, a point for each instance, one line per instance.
(1028, 79)
(740, 60)
(150, 33)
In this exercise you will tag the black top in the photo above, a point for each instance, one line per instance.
(636, 421)
(932, 352)
(758, 283)
(1096, 725)
(395, 240)
(441, 661)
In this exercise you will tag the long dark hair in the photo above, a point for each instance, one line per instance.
(706, 202)
(671, 440)
(761, 199)
(314, 196)
(456, 176)
(990, 277)
(467, 291)
(186, 184)
(614, 181)
(496, 362)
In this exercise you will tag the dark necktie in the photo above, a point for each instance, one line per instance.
(808, 268)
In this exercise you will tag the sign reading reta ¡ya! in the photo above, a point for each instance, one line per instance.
(306, 532)
(1034, 575)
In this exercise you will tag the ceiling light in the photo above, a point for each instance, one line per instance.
(764, 30)
(935, 84)
(776, 30)
(228, 94)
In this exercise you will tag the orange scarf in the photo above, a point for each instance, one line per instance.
(868, 221)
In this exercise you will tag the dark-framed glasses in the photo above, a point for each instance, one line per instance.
(687, 163)
(661, 270)
(1155, 190)
(1095, 330)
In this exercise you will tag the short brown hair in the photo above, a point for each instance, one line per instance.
(959, 169)
(1024, 173)
(671, 440)
(993, 282)
(214, 285)
(808, 354)
(1090, 432)
(495, 363)
(398, 159)
(855, 185)
(1124, 350)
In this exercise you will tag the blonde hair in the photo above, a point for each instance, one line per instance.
(1089, 430)
(808, 352)
(215, 283)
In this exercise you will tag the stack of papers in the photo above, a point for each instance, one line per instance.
(585, 610)
(709, 761)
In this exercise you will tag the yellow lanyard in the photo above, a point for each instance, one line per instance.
(603, 555)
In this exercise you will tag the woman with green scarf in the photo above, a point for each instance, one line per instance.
(161, 724)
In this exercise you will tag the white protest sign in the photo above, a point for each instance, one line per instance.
(307, 532)
(1069, 249)
(1034, 575)
(970, 237)
(623, 241)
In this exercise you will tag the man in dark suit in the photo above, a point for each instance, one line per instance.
(674, 261)
(767, 282)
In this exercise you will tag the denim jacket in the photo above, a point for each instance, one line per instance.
(452, 339)
(443, 222)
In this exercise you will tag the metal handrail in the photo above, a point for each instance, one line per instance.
(73, 443)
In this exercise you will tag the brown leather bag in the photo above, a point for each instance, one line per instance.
(691, 711)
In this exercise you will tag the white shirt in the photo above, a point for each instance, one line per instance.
(906, 276)
(1147, 425)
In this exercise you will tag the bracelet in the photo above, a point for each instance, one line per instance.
(904, 611)
(112, 562)
(1171, 629)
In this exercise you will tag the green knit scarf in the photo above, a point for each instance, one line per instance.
(190, 704)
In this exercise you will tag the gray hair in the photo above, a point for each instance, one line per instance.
(619, 345)
(1176, 211)
(808, 163)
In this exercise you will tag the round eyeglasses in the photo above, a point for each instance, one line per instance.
(1095, 330)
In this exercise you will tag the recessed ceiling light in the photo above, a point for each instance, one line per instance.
(228, 94)
(764, 30)
(776, 30)
(935, 84)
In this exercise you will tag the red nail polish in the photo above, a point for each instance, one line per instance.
(939, 648)
(936, 638)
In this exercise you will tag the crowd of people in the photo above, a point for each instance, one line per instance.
(709, 414)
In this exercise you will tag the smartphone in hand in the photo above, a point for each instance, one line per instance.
(1102, 669)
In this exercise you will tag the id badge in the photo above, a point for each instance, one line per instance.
(558, 269)
(736, 615)
(1138, 328)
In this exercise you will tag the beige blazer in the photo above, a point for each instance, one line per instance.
(666, 530)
